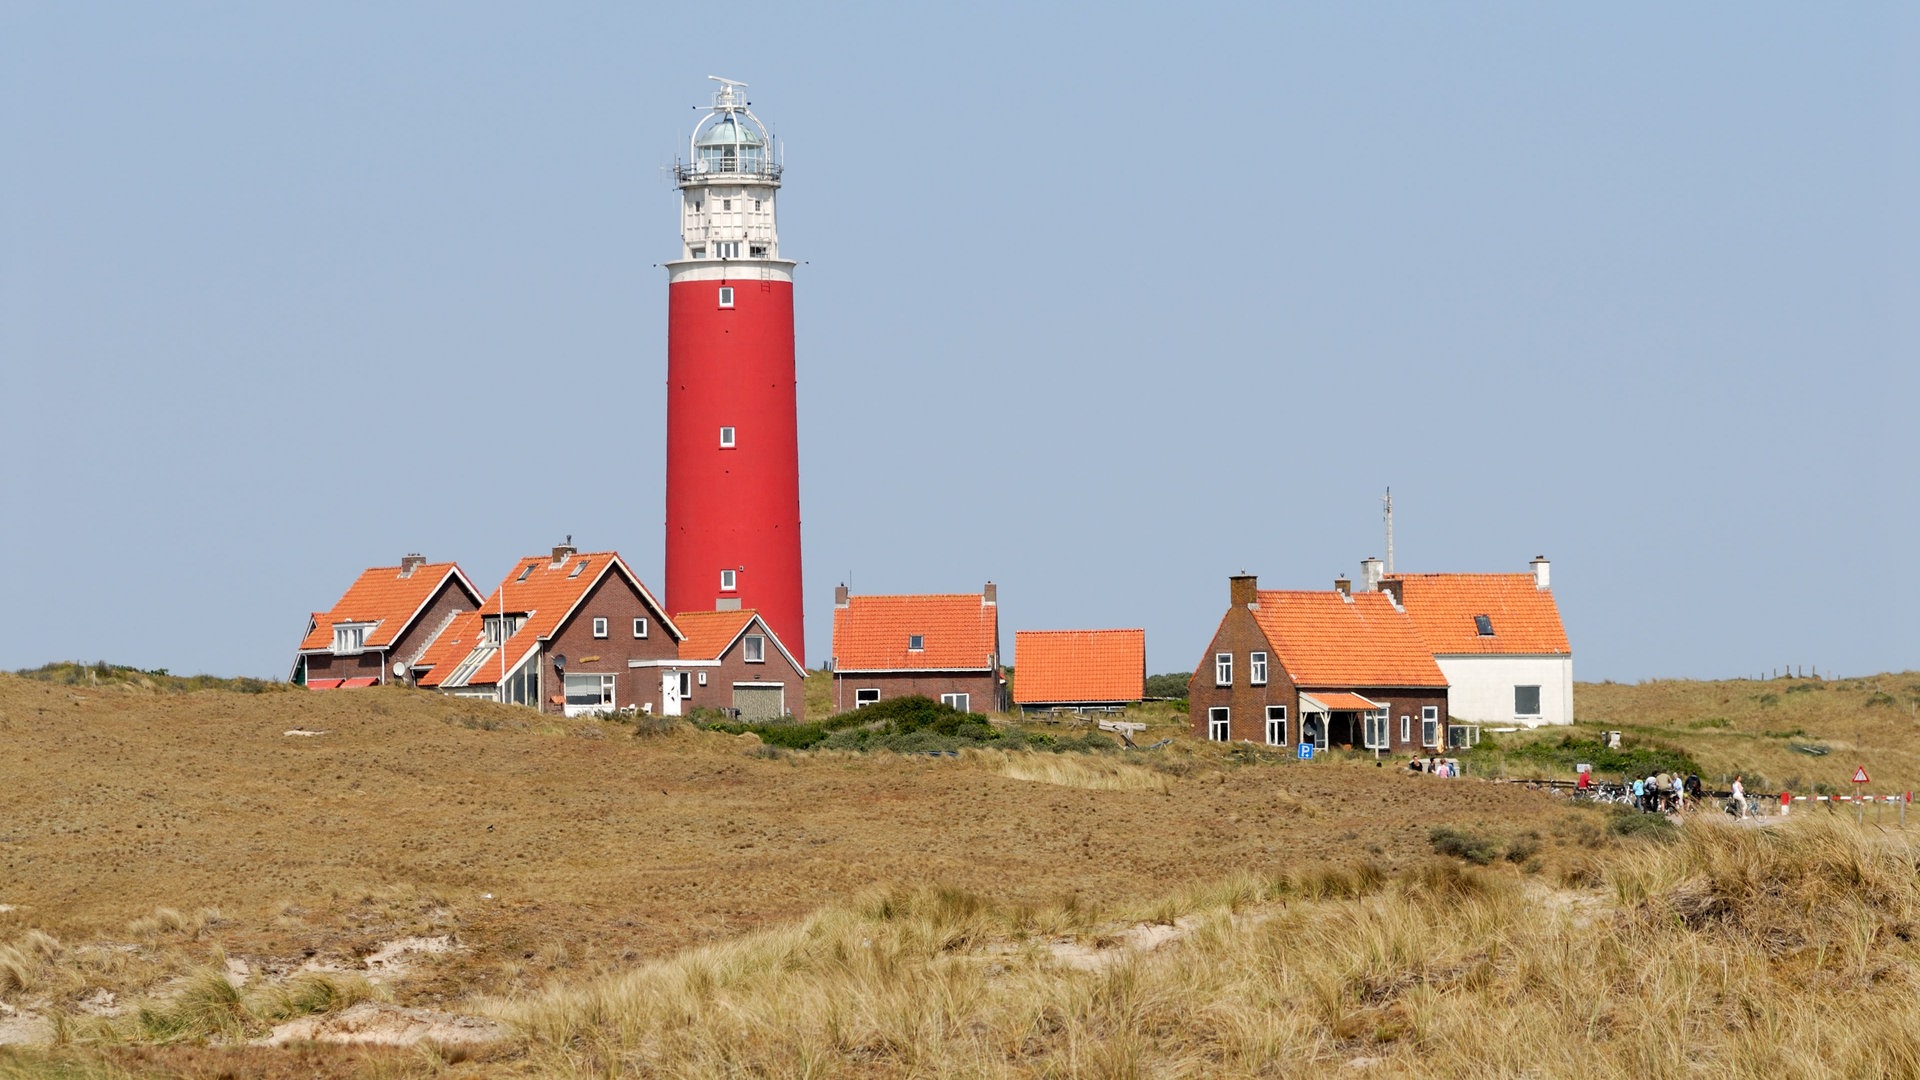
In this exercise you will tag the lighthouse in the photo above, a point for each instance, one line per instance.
(733, 447)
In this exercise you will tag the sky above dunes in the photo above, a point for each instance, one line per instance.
(1100, 302)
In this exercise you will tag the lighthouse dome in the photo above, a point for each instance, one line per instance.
(730, 142)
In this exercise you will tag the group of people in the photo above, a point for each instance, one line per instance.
(1434, 766)
(1666, 792)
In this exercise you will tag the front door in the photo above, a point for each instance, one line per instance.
(670, 694)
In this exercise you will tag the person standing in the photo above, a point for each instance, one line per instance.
(1739, 798)
(1639, 793)
(1679, 794)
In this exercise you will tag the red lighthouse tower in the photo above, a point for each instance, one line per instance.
(733, 448)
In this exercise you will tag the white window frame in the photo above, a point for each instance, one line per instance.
(703, 678)
(726, 294)
(1276, 725)
(729, 580)
(958, 702)
(1378, 736)
(727, 249)
(607, 698)
(861, 698)
(1257, 669)
(1430, 726)
(1219, 724)
(753, 649)
(640, 628)
(350, 639)
(729, 438)
(1406, 727)
(1223, 669)
(916, 643)
(599, 627)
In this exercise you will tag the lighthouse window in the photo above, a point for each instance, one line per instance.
(726, 296)
(726, 204)
(726, 580)
(758, 251)
(756, 204)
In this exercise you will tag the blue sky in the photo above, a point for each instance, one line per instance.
(1101, 302)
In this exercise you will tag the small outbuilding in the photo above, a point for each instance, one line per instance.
(1079, 671)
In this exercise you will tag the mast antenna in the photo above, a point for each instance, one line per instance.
(1387, 514)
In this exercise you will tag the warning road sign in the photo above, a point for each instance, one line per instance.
(1860, 774)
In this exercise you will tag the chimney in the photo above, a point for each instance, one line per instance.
(840, 596)
(990, 594)
(1392, 588)
(1370, 574)
(1541, 580)
(1243, 590)
(562, 552)
(1344, 586)
(410, 562)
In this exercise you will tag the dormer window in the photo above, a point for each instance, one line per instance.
(350, 638)
(1484, 625)
(916, 642)
(492, 626)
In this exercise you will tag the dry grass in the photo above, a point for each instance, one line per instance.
(1703, 958)
(1091, 773)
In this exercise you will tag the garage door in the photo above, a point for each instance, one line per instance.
(760, 702)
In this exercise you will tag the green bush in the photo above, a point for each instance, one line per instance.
(907, 724)
(1634, 823)
(1563, 753)
(1477, 848)
(1173, 684)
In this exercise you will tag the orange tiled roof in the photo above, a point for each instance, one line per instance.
(1060, 666)
(959, 632)
(382, 597)
(1322, 640)
(711, 633)
(1524, 619)
(542, 590)
(1341, 701)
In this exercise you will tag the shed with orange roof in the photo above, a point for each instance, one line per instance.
(384, 622)
(1079, 670)
(940, 645)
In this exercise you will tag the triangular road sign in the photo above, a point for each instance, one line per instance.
(1860, 774)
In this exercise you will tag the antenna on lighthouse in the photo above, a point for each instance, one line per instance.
(1387, 514)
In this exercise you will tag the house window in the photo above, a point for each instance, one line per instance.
(1526, 701)
(1276, 725)
(1463, 736)
(1378, 733)
(916, 642)
(599, 628)
(498, 629)
(726, 438)
(726, 295)
(589, 693)
(1223, 669)
(1429, 725)
(349, 638)
(958, 702)
(686, 685)
(703, 678)
(866, 697)
(1257, 669)
(1313, 729)
(753, 649)
(523, 686)
(728, 578)
(1406, 728)
(1219, 723)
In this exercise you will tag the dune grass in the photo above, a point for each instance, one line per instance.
(1716, 955)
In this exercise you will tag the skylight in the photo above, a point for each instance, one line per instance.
(1484, 625)
(579, 566)
(528, 572)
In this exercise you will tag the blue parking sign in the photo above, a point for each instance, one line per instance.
(1306, 751)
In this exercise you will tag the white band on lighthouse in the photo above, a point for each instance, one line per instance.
(730, 270)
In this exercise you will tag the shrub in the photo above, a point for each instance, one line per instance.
(1476, 848)
(1634, 823)
(1173, 684)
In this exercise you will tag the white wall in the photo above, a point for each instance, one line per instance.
(1481, 688)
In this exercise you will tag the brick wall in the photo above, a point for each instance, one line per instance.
(1245, 701)
(983, 686)
(718, 693)
(614, 599)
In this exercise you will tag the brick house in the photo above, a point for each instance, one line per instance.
(733, 661)
(568, 633)
(1079, 670)
(1497, 637)
(1333, 668)
(943, 646)
(382, 624)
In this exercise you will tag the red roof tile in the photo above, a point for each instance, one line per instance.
(1524, 619)
(1061, 666)
(958, 632)
(545, 592)
(382, 597)
(1323, 640)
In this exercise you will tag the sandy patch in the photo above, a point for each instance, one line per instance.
(387, 1025)
(302, 732)
(1134, 940)
(395, 957)
(21, 1028)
